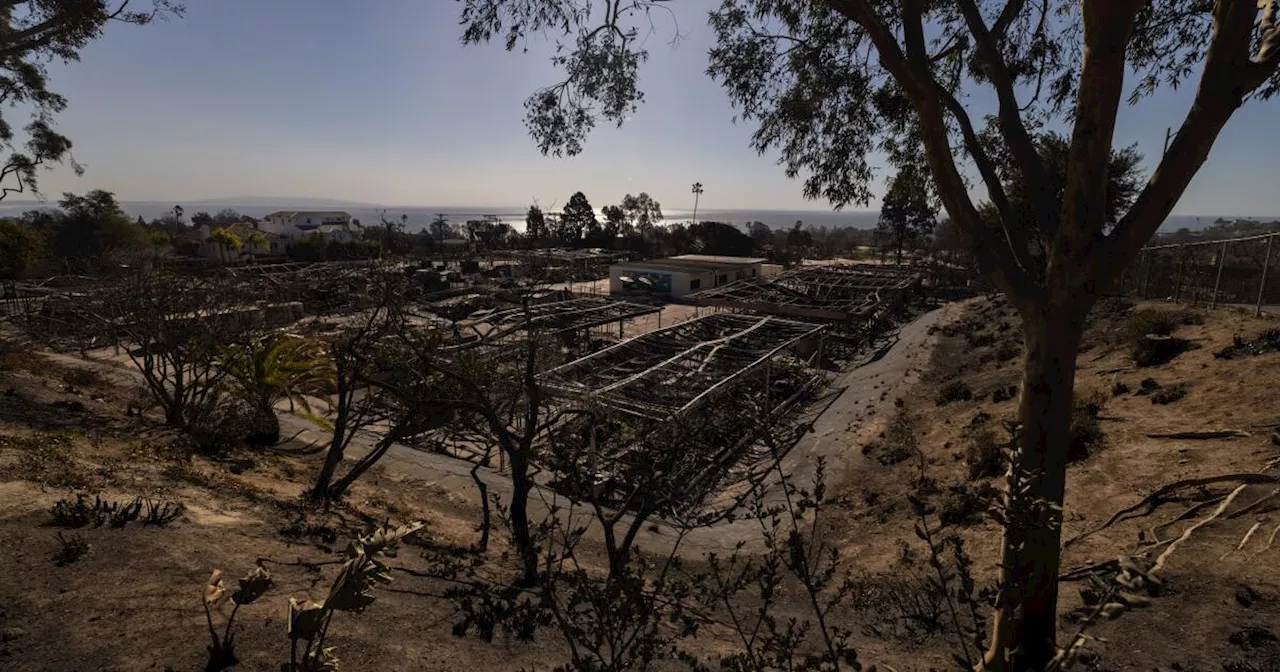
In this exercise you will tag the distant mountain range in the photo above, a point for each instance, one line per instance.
(418, 217)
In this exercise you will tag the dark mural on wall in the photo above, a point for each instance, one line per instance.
(654, 282)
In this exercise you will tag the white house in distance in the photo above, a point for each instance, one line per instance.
(682, 275)
(296, 223)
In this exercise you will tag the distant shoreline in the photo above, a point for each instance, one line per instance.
(418, 217)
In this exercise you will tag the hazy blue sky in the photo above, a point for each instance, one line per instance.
(377, 101)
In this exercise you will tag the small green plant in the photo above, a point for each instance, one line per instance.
(70, 549)
(222, 649)
(956, 390)
(307, 623)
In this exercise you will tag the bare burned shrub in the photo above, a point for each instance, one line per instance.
(1267, 341)
(984, 453)
(964, 503)
(1169, 394)
(47, 459)
(954, 391)
(1086, 432)
(70, 549)
(897, 443)
(902, 605)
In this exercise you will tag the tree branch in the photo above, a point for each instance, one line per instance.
(1007, 15)
(1221, 91)
(922, 89)
(1040, 194)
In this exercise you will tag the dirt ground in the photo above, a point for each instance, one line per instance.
(133, 600)
(1222, 607)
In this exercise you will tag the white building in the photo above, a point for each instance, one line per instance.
(296, 223)
(681, 275)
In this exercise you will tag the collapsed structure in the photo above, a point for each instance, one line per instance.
(845, 293)
(556, 318)
(668, 372)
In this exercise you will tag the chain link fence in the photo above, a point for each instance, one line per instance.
(1237, 272)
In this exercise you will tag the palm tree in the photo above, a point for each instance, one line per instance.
(275, 368)
(697, 191)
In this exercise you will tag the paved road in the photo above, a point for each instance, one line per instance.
(834, 437)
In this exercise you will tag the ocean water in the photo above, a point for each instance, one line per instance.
(418, 217)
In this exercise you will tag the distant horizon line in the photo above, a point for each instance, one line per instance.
(259, 201)
(313, 201)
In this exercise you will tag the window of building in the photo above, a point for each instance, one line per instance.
(695, 283)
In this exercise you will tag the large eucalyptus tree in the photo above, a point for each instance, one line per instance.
(830, 82)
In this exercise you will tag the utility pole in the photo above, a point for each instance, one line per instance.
(697, 191)
(1169, 135)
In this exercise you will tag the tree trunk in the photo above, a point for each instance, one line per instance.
(485, 517)
(521, 485)
(1024, 636)
(337, 448)
(265, 428)
(339, 488)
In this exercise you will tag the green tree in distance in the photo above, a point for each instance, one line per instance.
(35, 32)
(615, 224)
(91, 229)
(535, 224)
(906, 213)
(577, 219)
(20, 249)
(828, 82)
(643, 212)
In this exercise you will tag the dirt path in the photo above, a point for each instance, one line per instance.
(860, 393)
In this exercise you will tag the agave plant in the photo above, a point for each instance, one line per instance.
(272, 369)
(307, 623)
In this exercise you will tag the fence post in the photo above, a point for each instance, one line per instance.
(1262, 284)
(1222, 261)
(1146, 277)
(1182, 264)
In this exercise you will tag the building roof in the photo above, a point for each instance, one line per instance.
(721, 259)
(679, 265)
